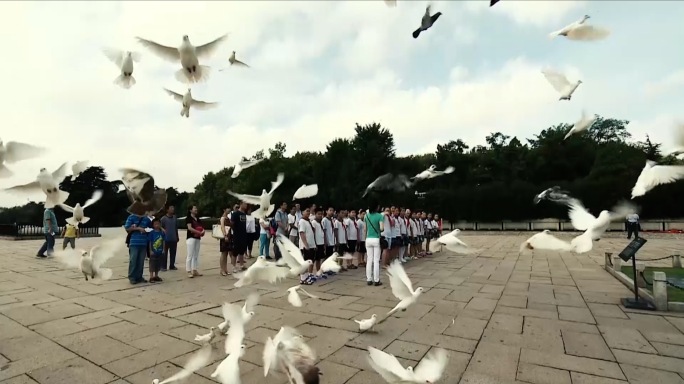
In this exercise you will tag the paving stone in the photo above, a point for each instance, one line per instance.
(581, 378)
(572, 363)
(586, 345)
(642, 375)
(406, 350)
(607, 310)
(495, 360)
(581, 315)
(650, 361)
(626, 338)
(669, 349)
(101, 350)
(22, 379)
(537, 374)
(508, 323)
(56, 328)
(466, 327)
(76, 370)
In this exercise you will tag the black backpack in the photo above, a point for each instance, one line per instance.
(128, 235)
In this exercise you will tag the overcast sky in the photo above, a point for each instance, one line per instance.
(316, 69)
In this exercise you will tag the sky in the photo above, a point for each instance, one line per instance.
(317, 68)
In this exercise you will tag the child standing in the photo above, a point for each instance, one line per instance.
(156, 248)
(70, 233)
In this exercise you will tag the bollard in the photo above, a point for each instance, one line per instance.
(617, 263)
(676, 261)
(660, 291)
(607, 260)
(641, 283)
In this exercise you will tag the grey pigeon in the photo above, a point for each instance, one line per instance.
(426, 22)
(555, 194)
(389, 182)
(145, 201)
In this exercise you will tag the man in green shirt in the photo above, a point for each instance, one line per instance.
(50, 228)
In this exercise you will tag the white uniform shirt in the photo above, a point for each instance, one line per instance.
(328, 228)
(318, 232)
(352, 231)
(341, 232)
(306, 228)
(402, 226)
(362, 229)
(292, 221)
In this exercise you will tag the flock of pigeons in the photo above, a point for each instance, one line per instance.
(287, 351)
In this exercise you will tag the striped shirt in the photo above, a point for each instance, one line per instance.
(138, 238)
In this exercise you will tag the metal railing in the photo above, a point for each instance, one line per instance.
(28, 231)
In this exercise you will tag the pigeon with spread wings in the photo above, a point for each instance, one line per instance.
(654, 175)
(13, 151)
(263, 201)
(90, 263)
(561, 83)
(140, 189)
(78, 216)
(581, 31)
(187, 101)
(49, 184)
(124, 61)
(426, 22)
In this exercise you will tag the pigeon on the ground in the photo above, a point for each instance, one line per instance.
(188, 55)
(367, 324)
(555, 194)
(124, 61)
(195, 363)
(188, 102)
(545, 241)
(78, 216)
(13, 151)
(242, 165)
(49, 184)
(581, 31)
(331, 265)
(90, 263)
(426, 22)
(305, 191)
(654, 175)
(77, 168)
(560, 83)
(263, 201)
(432, 172)
(293, 296)
(454, 244)
(140, 189)
(288, 352)
(584, 123)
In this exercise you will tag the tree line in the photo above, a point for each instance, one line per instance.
(491, 182)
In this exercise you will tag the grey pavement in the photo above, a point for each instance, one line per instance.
(540, 317)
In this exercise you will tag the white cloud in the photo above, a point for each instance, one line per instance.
(317, 68)
(535, 13)
(673, 81)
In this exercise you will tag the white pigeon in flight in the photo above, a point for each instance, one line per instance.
(367, 324)
(195, 362)
(581, 31)
(188, 102)
(678, 141)
(454, 244)
(188, 55)
(331, 265)
(78, 216)
(247, 311)
(292, 256)
(594, 227)
(432, 172)
(228, 371)
(77, 168)
(207, 337)
(288, 352)
(261, 270)
(654, 175)
(233, 61)
(242, 165)
(124, 61)
(90, 263)
(584, 123)
(13, 151)
(429, 370)
(293, 296)
(560, 83)
(544, 240)
(402, 288)
(264, 201)
(305, 191)
(49, 184)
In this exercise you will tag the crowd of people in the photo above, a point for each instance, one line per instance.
(373, 237)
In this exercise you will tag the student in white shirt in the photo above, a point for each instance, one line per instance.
(293, 224)
(361, 225)
(428, 232)
(328, 230)
(341, 236)
(307, 243)
(413, 233)
(396, 234)
(402, 235)
(387, 224)
(352, 238)
(320, 239)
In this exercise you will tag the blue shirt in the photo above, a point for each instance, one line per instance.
(156, 242)
(137, 238)
(49, 214)
(281, 217)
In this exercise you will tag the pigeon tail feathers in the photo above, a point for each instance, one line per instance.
(125, 82)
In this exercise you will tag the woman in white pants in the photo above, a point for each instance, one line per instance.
(374, 226)
(195, 233)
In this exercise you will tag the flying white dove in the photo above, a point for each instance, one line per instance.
(678, 139)
(654, 175)
(264, 201)
(432, 172)
(594, 227)
(560, 83)
(453, 243)
(78, 215)
(195, 362)
(124, 61)
(584, 123)
(426, 22)
(367, 324)
(389, 367)
(188, 102)
(288, 352)
(331, 265)
(545, 241)
(581, 31)
(305, 191)
(292, 256)
(207, 337)
(90, 263)
(228, 371)
(13, 151)
(247, 311)
(77, 168)
(402, 288)
(188, 55)
(293, 296)
(242, 165)
(49, 184)
(431, 368)
(261, 270)
(233, 61)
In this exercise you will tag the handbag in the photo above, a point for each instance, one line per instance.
(383, 242)
(216, 231)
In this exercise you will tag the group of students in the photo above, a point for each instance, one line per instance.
(370, 237)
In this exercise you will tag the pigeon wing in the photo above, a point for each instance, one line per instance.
(209, 48)
(203, 105)
(251, 302)
(32, 186)
(388, 363)
(114, 55)
(97, 195)
(60, 173)
(16, 151)
(557, 80)
(69, 258)
(275, 184)
(306, 191)
(399, 281)
(431, 368)
(580, 218)
(290, 252)
(236, 333)
(249, 199)
(164, 52)
(587, 32)
(195, 362)
(176, 96)
(106, 250)
(663, 174)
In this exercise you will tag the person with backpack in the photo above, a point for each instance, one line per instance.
(136, 240)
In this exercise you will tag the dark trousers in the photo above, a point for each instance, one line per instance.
(632, 228)
(48, 246)
(276, 250)
(169, 254)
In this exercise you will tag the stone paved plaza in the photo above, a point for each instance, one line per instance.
(542, 318)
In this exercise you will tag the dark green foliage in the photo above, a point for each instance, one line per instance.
(493, 182)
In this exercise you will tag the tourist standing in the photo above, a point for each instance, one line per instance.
(632, 225)
(374, 226)
(50, 228)
(169, 224)
(156, 244)
(225, 244)
(70, 233)
(264, 238)
(194, 238)
(238, 221)
(251, 231)
(137, 246)
(361, 244)
(281, 219)
(352, 237)
(307, 244)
